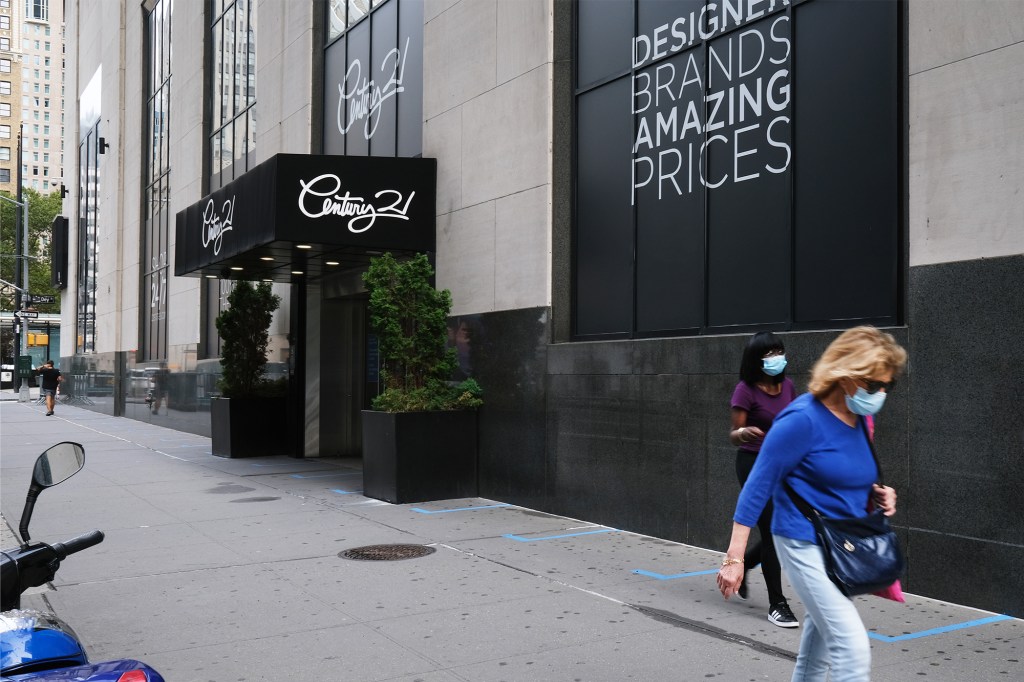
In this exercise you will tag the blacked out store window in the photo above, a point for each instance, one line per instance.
(738, 166)
(156, 216)
(373, 78)
(88, 242)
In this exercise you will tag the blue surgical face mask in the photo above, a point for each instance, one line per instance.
(774, 365)
(864, 403)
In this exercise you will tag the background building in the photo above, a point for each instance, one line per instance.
(609, 175)
(10, 93)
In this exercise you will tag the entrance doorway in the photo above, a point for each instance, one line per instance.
(348, 375)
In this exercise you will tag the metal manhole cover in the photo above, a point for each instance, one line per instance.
(387, 552)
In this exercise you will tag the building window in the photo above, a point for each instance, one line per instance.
(233, 76)
(5, 109)
(37, 9)
(5, 65)
(5, 22)
(5, 87)
(88, 239)
(5, 153)
(5, 131)
(5, 44)
(156, 216)
(5, 174)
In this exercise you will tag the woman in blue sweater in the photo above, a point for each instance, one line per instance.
(818, 446)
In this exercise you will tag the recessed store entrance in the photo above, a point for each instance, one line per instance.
(347, 376)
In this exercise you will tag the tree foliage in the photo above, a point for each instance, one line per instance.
(243, 329)
(42, 209)
(410, 318)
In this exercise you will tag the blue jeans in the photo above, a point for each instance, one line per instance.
(834, 636)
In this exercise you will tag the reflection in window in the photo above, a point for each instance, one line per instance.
(156, 215)
(233, 86)
(88, 243)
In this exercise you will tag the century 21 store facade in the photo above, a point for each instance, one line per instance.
(616, 192)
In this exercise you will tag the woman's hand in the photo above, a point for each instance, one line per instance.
(884, 498)
(730, 578)
(751, 434)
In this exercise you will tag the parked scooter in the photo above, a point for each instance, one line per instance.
(39, 646)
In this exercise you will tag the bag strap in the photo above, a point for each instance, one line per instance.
(802, 505)
(871, 444)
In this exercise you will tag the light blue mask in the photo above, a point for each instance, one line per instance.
(774, 365)
(864, 403)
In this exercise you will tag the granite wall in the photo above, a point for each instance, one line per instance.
(634, 434)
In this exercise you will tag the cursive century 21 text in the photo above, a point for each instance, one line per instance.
(362, 213)
(216, 224)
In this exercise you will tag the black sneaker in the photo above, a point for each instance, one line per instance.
(50, 413)
(781, 615)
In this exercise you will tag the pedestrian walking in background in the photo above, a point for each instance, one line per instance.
(819, 446)
(51, 379)
(763, 392)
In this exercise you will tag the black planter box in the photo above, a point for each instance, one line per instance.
(249, 427)
(419, 456)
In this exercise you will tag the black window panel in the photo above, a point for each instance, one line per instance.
(604, 236)
(747, 161)
(605, 40)
(410, 100)
(386, 69)
(335, 111)
(668, 194)
(356, 143)
(847, 162)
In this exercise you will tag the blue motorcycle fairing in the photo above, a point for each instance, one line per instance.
(32, 638)
(108, 671)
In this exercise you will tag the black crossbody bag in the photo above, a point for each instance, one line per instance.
(862, 554)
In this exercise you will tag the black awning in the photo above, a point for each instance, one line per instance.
(302, 216)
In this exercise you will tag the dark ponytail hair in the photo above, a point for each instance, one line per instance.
(752, 366)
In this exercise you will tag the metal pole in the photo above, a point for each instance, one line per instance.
(24, 395)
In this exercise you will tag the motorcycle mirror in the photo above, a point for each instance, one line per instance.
(56, 465)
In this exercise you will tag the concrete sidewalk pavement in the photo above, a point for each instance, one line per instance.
(221, 569)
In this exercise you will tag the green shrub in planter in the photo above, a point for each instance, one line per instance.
(243, 329)
(410, 318)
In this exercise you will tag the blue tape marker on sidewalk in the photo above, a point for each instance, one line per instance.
(346, 492)
(519, 538)
(459, 509)
(939, 631)
(674, 576)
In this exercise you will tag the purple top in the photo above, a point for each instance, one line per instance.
(760, 407)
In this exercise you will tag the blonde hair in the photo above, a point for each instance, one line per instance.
(858, 353)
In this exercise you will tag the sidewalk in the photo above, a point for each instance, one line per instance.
(221, 569)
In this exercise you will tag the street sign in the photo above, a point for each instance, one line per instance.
(41, 298)
(27, 314)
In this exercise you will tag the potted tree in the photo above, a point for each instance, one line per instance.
(420, 438)
(247, 398)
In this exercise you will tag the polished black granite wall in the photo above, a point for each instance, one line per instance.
(634, 434)
(965, 506)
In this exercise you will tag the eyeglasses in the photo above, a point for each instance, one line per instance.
(873, 387)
